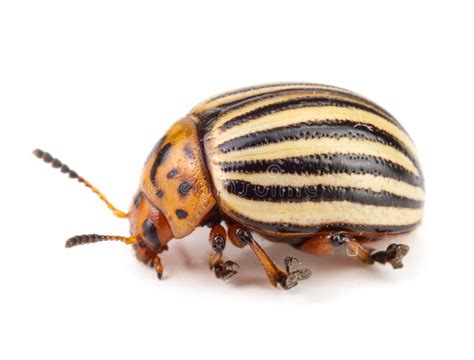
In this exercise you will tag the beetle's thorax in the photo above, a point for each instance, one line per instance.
(175, 181)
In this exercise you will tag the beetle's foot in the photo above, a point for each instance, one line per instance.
(224, 270)
(286, 280)
(158, 265)
(292, 277)
(393, 255)
(289, 261)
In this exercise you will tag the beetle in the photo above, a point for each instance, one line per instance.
(313, 166)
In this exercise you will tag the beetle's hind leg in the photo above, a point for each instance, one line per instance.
(287, 280)
(222, 269)
(393, 255)
(328, 243)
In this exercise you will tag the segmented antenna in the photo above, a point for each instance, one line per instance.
(93, 238)
(57, 164)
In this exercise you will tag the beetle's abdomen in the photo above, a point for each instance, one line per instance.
(299, 158)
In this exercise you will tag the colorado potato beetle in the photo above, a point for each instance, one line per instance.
(313, 166)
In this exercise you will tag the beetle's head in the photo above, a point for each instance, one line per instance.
(148, 225)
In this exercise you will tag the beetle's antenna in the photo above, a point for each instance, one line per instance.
(93, 238)
(55, 163)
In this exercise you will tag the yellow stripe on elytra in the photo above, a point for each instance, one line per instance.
(314, 114)
(320, 213)
(213, 103)
(319, 146)
(359, 181)
(310, 93)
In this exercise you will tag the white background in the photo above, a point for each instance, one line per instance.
(96, 83)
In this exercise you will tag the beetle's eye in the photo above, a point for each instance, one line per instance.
(151, 235)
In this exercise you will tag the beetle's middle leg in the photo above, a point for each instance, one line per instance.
(289, 279)
(222, 269)
(328, 243)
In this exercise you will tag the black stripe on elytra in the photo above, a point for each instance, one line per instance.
(301, 87)
(326, 164)
(317, 101)
(258, 87)
(151, 235)
(160, 158)
(209, 116)
(240, 103)
(334, 129)
(318, 193)
(286, 228)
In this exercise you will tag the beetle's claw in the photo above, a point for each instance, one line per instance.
(289, 261)
(396, 253)
(293, 276)
(159, 274)
(229, 265)
(225, 270)
(158, 265)
(393, 255)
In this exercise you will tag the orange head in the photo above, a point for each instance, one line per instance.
(148, 224)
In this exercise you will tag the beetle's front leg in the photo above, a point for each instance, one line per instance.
(287, 280)
(149, 256)
(222, 270)
(158, 265)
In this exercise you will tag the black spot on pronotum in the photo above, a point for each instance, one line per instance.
(156, 147)
(181, 214)
(138, 199)
(151, 235)
(159, 193)
(172, 173)
(184, 188)
(160, 158)
(188, 152)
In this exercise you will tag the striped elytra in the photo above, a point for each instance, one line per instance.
(296, 159)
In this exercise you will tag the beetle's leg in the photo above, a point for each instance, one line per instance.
(144, 253)
(222, 270)
(289, 279)
(149, 256)
(393, 255)
(158, 265)
(328, 243)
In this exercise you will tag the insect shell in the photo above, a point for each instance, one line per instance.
(313, 166)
